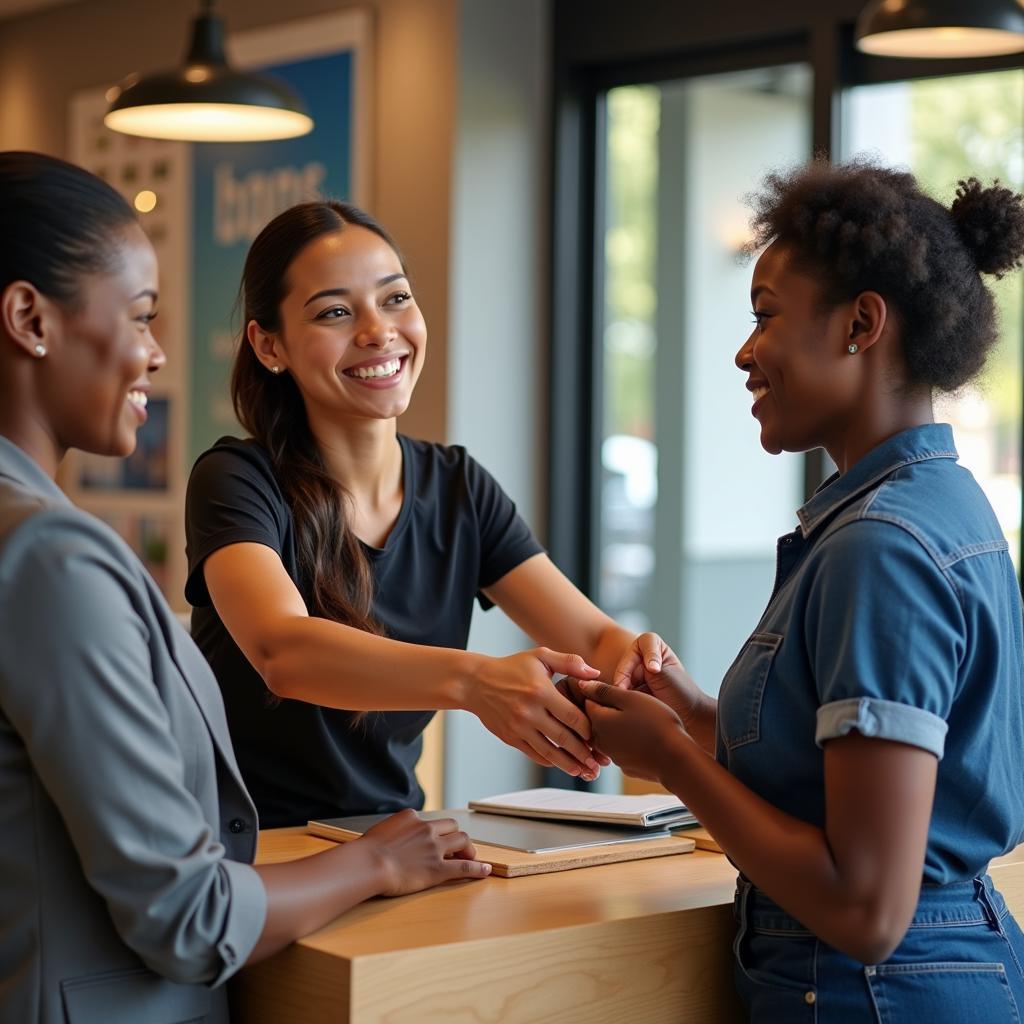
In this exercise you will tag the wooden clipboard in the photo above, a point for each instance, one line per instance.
(506, 863)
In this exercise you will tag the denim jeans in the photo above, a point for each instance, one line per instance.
(959, 963)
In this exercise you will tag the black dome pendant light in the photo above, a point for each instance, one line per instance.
(206, 100)
(941, 28)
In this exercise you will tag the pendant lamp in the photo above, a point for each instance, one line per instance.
(941, 28)
(206, 100)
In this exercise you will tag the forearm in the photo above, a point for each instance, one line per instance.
(789, 859)
(604, 650)
(699, 714)
(333, 665)
(702, 723)
(304, 895)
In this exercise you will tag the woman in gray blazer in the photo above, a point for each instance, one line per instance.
(127, 892)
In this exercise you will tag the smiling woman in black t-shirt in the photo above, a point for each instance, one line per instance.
(333, 563)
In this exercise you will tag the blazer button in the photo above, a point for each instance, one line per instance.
(236, 825)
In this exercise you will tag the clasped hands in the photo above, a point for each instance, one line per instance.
(636, 719)
(582, 723)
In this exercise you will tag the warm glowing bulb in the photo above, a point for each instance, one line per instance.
(940, 42)
(209, 122)
(145, 201)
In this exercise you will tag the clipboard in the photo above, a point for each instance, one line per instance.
(515, 847)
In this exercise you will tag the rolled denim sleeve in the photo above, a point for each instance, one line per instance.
(885, 635)
(884, 720)
(77, 685)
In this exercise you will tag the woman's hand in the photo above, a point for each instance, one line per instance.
(516, 700)
(650, 665)
(416, 853)
(636, 730)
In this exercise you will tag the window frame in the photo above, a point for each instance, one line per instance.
(596, 48)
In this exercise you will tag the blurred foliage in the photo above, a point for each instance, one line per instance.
(960, 125)
(633, 114)
(974, 125)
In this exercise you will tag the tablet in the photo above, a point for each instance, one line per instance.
(527, 835)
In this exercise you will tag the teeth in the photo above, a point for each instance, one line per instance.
(759, 393)
(388, 369)
(139, 398)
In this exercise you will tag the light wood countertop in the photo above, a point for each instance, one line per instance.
(500, 907)
(644, 941)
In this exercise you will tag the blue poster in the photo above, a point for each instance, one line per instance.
(236, 189)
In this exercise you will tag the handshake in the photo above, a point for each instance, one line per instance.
(650, 702)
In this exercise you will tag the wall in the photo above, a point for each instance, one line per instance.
(43, 62)
(459, 170)
(497, 362)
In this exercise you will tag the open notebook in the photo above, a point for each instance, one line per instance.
(653, 810)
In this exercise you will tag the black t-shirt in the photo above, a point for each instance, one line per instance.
(457, 533)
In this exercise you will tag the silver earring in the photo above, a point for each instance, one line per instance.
(853, 348)
(275, 369)
(40, 351)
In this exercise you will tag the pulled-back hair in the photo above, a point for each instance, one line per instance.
(859, 226)
(271, 409)
(60, 223)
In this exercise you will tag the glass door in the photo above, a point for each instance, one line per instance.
(690, 505)
(944, 129)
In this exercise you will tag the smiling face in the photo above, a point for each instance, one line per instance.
(351, 336)
(803, 380)
(96, 379)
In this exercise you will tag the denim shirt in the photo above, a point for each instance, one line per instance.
(896, 612)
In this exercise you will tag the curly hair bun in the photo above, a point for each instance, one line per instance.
(991, 223)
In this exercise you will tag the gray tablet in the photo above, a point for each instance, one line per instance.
(528, 835)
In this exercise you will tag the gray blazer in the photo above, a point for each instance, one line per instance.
(126, 834)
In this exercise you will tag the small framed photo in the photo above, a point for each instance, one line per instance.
(151, 537)
(145, 470)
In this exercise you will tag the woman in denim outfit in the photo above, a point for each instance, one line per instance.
(862, 765)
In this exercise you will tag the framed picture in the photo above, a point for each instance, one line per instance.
(146, 469)
(150, 537)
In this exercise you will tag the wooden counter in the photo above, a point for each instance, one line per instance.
(644, 941)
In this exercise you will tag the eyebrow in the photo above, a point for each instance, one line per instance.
(145, 293)
(755, 292)
(345, 291)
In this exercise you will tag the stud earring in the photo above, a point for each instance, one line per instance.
(853, 348)
(275, 369)
(40, 351)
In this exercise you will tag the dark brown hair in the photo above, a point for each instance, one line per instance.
(860, 226)
(331, 561)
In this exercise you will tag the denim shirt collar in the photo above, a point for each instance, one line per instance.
(17, 465)
(918, 444)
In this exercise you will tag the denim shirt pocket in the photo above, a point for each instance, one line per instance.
(739, 702)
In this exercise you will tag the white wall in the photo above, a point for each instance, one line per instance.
(497, 345)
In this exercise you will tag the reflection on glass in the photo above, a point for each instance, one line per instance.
(944, 129)
(628, 453)
(691, 506)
